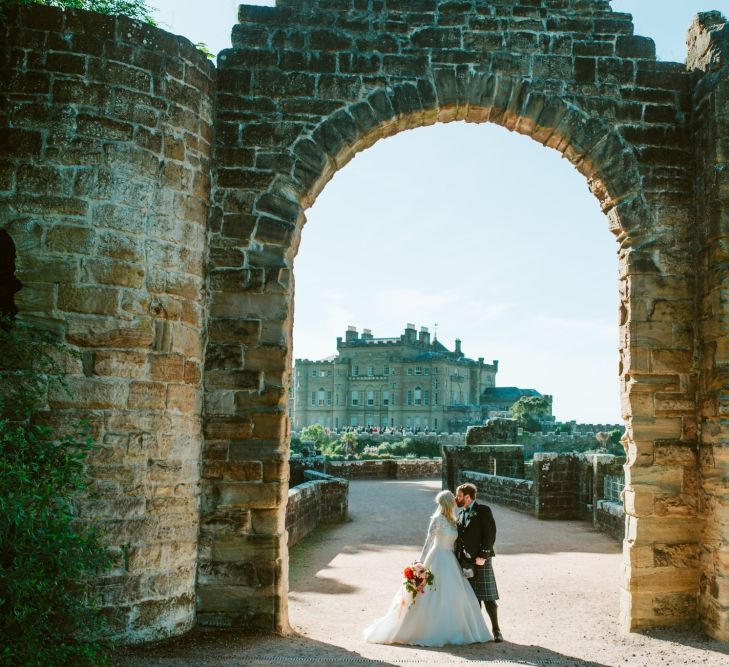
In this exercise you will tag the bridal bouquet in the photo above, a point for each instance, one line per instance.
(417, 577)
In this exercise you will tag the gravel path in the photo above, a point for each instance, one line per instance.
(558, 583)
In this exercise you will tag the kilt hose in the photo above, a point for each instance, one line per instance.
(483, 582)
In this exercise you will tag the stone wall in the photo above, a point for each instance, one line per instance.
(503, 460)
(104, 184)
(610, 519)
(298, 465)
(386, 469)
(708, 57)
(507, 491)
(321, 500)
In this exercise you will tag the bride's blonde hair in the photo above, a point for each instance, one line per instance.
(446, 502)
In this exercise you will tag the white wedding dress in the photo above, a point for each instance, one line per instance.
(448, 612)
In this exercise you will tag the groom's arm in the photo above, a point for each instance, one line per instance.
(488, 531)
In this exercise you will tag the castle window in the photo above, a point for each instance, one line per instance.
(355, 371)
(386, 397)
(370, 370)
(313, 373)
(355, 398)
(426, 371)
(329, 373)
(329, 398)
(321, 396)
(313, 398)
(418, 370)
(426, 397)
(418, 396)
(370, 397)
(410, 397)
(410, 370)
(386, 370)
(435, 398)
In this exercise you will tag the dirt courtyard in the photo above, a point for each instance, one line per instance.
(558, 582)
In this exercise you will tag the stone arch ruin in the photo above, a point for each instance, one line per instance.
(156, 205)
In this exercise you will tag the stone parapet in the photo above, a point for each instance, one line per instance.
(502, 460)
(386, 469)
(610, 519)
(517, 494)
(321, 500)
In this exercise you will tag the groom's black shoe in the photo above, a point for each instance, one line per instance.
(498, 637)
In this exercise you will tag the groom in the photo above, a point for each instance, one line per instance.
(475, 548)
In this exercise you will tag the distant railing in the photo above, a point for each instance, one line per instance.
(613, 486)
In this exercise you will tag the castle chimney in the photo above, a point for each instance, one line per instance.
(458, 347)
(411, 334)
(351, 334)
(424, 336)
(366, 334)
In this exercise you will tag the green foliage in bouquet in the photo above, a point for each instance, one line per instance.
(48, 613)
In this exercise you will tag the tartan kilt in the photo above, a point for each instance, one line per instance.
(484, 582)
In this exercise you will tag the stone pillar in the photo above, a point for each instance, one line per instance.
(556, 485)
(708, 57)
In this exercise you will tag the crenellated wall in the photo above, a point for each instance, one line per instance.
(104, 187)
(169, 264)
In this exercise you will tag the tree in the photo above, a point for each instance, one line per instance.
(349, 442)
(316, 434)
(527, 411)
(135, 9)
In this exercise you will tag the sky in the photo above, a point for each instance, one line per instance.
(482, 231)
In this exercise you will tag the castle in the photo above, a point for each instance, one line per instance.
(407, 381)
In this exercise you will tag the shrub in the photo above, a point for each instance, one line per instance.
(48, 559)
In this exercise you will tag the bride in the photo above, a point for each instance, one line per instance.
(448, 612)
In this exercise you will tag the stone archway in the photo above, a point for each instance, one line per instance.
(155, 233)
(309, 84)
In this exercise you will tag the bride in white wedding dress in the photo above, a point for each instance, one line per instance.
(448, 612)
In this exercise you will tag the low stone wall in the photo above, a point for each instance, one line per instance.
(379, 438)
(502, 460)
(386, 469)
(610, 519)
(322, 499)
(510, 492)
(298, 465)
(563, 486)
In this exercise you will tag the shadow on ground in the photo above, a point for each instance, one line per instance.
(226, 648)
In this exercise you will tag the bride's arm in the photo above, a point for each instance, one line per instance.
(429, 539)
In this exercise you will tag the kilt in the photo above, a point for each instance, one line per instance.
(484, 582)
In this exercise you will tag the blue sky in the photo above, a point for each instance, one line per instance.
(480, 230)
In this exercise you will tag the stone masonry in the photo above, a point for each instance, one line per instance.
(167, 260)
(104, 189)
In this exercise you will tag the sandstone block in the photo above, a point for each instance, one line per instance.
(146, 396)
(97, 300)
(88, 393)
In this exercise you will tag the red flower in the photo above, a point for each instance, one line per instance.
(408, 573)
